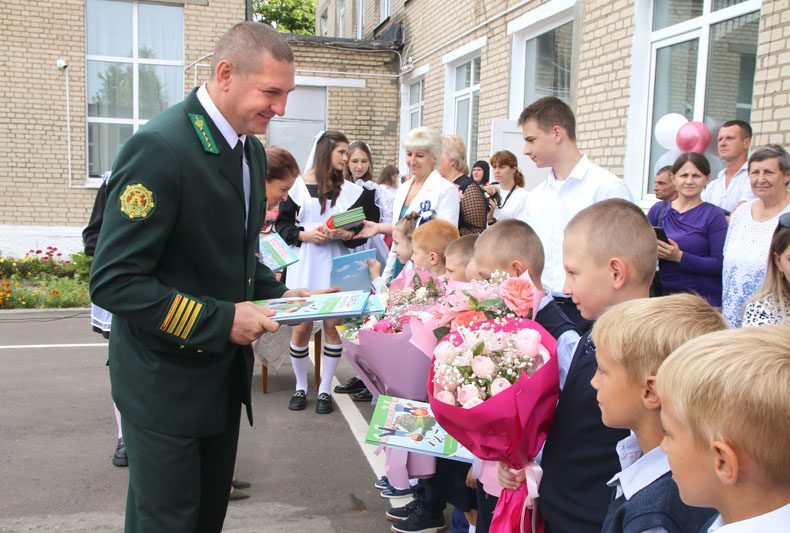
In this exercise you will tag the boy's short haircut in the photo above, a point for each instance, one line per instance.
(548, 112)
(513, 240)
(408, 224)
(435, 236)
(734, 386)
(464, 248)
(640, 334)
(617, 228)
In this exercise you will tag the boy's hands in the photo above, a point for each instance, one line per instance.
(508, 479)
(374, 268)
(471, 482)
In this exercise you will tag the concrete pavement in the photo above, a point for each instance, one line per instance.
(57, 436)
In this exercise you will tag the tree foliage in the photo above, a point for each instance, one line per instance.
(286, 16)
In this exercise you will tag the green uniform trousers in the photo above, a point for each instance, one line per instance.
(186, 479)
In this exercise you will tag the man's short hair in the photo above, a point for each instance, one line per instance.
(548, 112)
(770, 151)
(513, 240)
(667, 168)
(464, 248)
(640, 334)
(435, 236)
(746, 129)
(244, 44)
(734, 386)
(617, 228)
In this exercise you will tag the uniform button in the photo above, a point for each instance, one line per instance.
(249, 281)
(182, 347)
(200, 350)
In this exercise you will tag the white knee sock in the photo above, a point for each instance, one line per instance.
(118, 420)
(300, 362)
(329, 361)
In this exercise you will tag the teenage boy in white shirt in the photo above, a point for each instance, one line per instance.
(574, 183)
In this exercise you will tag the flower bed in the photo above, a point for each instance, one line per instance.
(44, 279)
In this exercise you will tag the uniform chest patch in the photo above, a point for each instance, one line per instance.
(137, 201)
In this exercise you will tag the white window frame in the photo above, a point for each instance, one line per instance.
(360, 19)
(534, 23)
(466, 53)
(135, 61)
(640, 113)
(415, 76)
(385, 10)
(341, 18)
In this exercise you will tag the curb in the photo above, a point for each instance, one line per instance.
(58, 310)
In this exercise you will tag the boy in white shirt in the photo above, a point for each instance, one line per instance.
(725, 401)
(633, 339)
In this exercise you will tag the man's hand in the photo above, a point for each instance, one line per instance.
(304, 293)
(369, 229)
(250, 322)
(471, 482)
(508, 479)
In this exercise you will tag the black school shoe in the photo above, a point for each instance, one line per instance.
(324, 404)
(362, 396)
(351, 386)
(298, 401)
(398, 514)
(420, 522)
(119, 458)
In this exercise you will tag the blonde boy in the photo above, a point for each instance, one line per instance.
(457, 257)
(609, 256)
(511, 246)
(429, 242)
(632, 340)
(725, 409)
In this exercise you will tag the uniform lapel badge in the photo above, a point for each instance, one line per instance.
(137, 201)
(203, 133)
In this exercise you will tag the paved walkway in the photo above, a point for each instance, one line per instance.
(57, 435)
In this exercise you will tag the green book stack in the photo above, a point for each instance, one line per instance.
(346, 219)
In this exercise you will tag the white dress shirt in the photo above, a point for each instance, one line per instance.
(776, 521)
(515, 206)
(553, 203)
(231, 137)
(728, 198)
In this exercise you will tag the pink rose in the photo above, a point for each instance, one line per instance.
(483, 367)
(445, 352)
(445, 396)
(528, 342)
(498, 385)
(383, 326)
(467, 393)
(405, 319)
(472, 403)
(466, 318)
(446, 381)
(518, 295)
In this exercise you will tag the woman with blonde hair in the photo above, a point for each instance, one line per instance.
(771, 304)
(453, 168)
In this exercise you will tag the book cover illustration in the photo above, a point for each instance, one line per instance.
(410, 425)
(350, 271)
(275, 253)
(296, 310)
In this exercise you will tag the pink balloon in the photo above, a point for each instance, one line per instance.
(693, 137)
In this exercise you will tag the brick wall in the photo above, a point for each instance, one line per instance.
(771, 113)
(34, 186)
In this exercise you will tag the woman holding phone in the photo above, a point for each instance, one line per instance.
(690, 259)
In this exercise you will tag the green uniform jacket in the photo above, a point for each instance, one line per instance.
(172, 259)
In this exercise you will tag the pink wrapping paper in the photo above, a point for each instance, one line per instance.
(510, 427)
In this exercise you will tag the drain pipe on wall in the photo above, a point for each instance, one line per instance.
(63, 65)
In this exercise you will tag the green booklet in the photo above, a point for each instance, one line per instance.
(410, 425)
(296, 310)
(349, 218)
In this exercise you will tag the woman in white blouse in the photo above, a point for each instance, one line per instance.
(508, 197)
(426, 192)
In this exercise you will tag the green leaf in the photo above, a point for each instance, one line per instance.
(440, 333)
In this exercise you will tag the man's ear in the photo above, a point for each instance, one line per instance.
(434, 258)
(223, 74)
(518, 267)
(650, 397)
(558, 133)
(618, 271)
(725, 463)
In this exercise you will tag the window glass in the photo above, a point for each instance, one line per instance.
(463, 76)
(669, 12)
(104, 140)
(161, 32)
(109, 89)
(160, 87)
(548, 65)
(109, 28)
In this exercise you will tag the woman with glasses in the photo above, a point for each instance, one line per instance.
(752, 226)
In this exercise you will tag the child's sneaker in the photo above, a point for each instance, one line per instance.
(396, 514)
(392, 492)
(420, 522)
(382, 483)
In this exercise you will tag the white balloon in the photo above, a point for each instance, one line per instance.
(667, 129)
(667, 159)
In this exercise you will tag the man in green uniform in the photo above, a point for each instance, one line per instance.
(176, 265)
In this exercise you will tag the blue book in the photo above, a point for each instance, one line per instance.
(350, 272)
(275, 253)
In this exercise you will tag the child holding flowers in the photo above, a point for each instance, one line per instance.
(603, 268)
(633, 339)
(724, 405)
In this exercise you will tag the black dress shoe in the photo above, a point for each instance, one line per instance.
(352, 385)
(362, 396)
(298, 401)
(324, 404)
(239, 484)
(119, 458)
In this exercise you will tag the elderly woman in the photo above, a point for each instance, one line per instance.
(751, 227)
(690, 258)
(472, 215)
(427, 191)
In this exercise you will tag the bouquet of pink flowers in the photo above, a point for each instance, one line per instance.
(415, 289)
(494, 386)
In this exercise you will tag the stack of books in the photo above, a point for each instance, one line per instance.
(346, 219)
